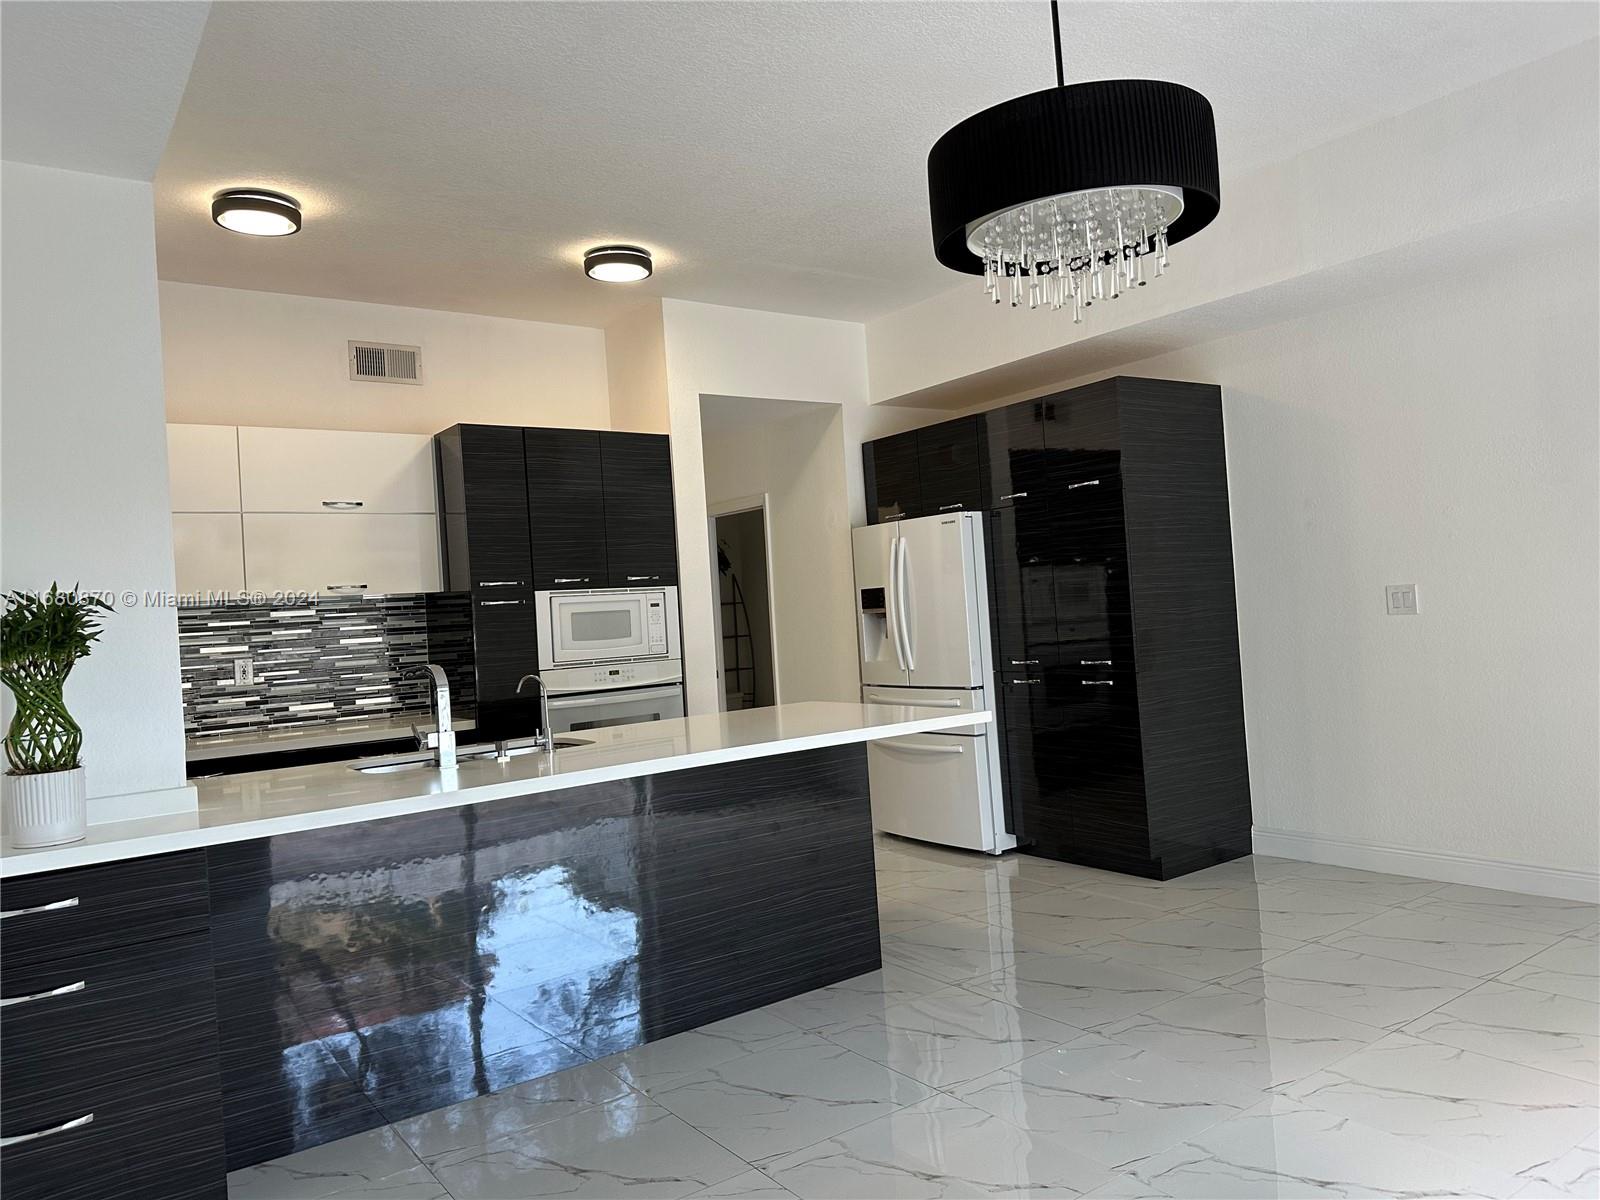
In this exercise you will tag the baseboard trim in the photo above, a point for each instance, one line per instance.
(131, 806)
(1430, 864)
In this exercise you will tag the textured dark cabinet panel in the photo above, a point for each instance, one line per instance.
(950, 465)
(892, 477)
(640, 530)
(566, 506)
(1013, 446)
(370, 972)
(484, 483)
(140, 900)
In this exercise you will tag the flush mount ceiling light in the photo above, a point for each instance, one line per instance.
(1061, 195)
(617, 264)
(256, 212)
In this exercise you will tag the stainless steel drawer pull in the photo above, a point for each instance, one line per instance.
(1098, 682)
(347, 587)
(344, 504)
(502, 583)
(582, 579)
(948, 507)
(1085, 483)
(53, 906)
(1094, 662)
(64, 1127)
(1022, 681)
(879, 698)
(496, 603)
(1024, 662)
(914, 748)
(1015, 496)
(637, 578)
(66, 989)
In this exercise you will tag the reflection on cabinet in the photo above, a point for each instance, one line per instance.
(203, 468)
(336, 554)
(892, 479)
(640, 529)
(566, 508)
(208, 552)
(936, 469)
(330, 470)
(1114, 625)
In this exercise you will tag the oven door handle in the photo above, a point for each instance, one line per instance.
(616, 697)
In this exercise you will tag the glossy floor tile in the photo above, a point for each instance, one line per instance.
(1262, 1028)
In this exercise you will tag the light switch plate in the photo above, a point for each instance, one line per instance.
(1400, 599)
(244, 671)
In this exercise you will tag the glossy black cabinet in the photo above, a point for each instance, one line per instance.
(640, 530)
(950, 465)
(892, 476)
(566, 507)
(1114, 625)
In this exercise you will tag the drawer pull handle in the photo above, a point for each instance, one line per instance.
(347, 587)
(341, 504)
(1085, 483)
(1094, 662)
(880, 698)
(577, 579)
(1015, 496)
(1028, 681)
(64, 1127)
(914, 748)
(66, 989)
(638, 578)
(53, 906)
(1098, 682)
(503, 583)
(496, 603)
(1024, 662)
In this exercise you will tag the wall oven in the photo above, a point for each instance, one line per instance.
(581, 628)
(595, 710)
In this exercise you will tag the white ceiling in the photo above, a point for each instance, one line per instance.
(93, 85)
(461, 156)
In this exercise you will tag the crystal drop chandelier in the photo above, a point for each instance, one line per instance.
(1074, 194)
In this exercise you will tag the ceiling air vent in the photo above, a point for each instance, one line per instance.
(378, 362)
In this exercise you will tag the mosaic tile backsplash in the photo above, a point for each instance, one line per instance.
(334, 659)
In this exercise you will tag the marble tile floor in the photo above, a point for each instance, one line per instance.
(1265, 1028)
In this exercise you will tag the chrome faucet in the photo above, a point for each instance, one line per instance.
(546, 736)
(443, 740)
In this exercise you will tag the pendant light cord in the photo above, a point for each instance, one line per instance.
(1055, 23)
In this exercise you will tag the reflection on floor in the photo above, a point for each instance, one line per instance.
(1264, 1028)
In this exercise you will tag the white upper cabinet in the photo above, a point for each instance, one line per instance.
(208, 549)
(330, 554)
(203, 463)
(332, 471)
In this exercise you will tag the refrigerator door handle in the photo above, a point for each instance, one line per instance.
(921, 748)
(891, 602)
(907, 633)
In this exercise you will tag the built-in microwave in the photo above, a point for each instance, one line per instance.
(576, 628)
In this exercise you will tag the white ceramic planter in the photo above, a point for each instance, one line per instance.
(46, 810)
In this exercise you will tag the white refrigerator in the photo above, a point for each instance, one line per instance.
(922, 617)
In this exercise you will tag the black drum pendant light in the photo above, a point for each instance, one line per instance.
(1059, 197)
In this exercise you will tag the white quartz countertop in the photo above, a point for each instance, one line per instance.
(312, 737)
(258, 804)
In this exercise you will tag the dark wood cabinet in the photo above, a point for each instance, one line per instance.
(566, 508)
(950, 465)
(892, 477)
(1114, 626)
(640, 527)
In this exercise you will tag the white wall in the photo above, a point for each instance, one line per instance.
(83, 459)
(712, 350)
(798, 462)
(636, 370)
(1447, 437)
(236, 357)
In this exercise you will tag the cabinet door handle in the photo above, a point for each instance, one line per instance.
(53, 906)
(948, 507)
(341, 504)
(1094, 662)
(1024, 662)
(347, 587)
(1026, 681)
(1085, 483)
(639, 578)
(1098, 682)
(1015, 496)
(65, 1126)
(64, 990)
(578, 579)
(502, 583)
(496, 603)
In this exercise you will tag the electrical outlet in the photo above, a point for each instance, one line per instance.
(244, 671)
(1400, 599)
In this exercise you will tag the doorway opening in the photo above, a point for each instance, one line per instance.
(744, 609)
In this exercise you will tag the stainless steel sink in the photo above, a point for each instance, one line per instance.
(423, 761)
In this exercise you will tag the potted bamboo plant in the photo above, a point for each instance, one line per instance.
(42, 636)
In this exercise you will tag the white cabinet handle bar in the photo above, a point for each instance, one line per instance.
(65, 1126)
(53, 906)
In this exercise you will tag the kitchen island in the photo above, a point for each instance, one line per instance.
(321, 950)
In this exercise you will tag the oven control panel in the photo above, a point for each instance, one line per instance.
(613, 675)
